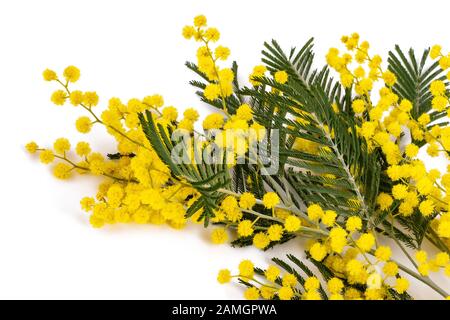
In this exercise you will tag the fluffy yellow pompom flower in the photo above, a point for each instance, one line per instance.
(83, 124)
(76, 97)
(229, 204)
(49, 75)
(405, 105)
(46, 156)
(433, 149)
(170, 114)
(312, 295)
(400, 191)
(31, 147)
(226, 76)
(90, 98)
(424, 119)
(346, 79)
(96, 222)
(292, 224)
(212, 91)
(212, 34)
(285, 293)
(421, 256)
(389, 78)
(155, 100)
(61, 145)
(329, 218)
(270, 200)
(401, 285)
(267, 292)
(383, 253)
(318, 251)
(442, 259)
(312, 283)
(281, 76)
(188, 32)
(444, 62)
(315, 212)
(200, 21)
(424, 186)
(258, 71)
(62, 171)
(246, 269)
(424, 269)
(437, 88)
(335, 285)
(358, 106)
(213, 121)
(272, 273)
(83, 149)
(186, 124)
(251, 293)
(87, 203)
(353, 223)
(275, 232)
(58, 97)
(289, 280)
(338, 239)
(439, 103)
(191, 114)
(244, 112)
(224, 276)
(435, 51)
(411, 150)
(336, 296)
(366, 241)
(426, 207)
(71, 73)
(247, 200)
(245, 228)
(444, 229)
(390, 269)
(354, 267)
(364, 86)
(261, 240)
(384, 201)
(219, 236)
(395, 129)
(222, 53)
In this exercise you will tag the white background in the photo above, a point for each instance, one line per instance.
(133, 49)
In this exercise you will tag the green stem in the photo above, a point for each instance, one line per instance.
(263, 216)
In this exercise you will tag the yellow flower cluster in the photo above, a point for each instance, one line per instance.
(387, 119)
(356, 259)
(221, 79)
(273, 283)
(138, 186)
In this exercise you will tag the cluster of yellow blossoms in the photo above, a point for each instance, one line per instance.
(239, 129)
(387, 120)
(288, 286)
(140, 188)
(382, 126)
(356, 259)
(221, 79)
